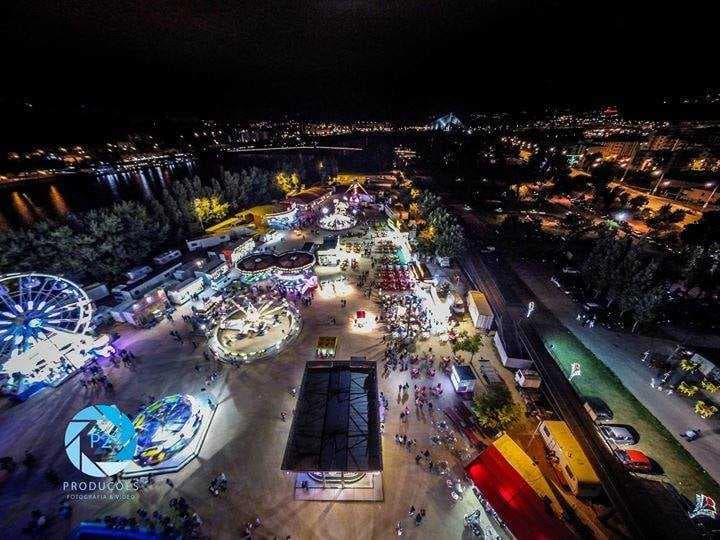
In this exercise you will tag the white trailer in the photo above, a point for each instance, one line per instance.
(480, 311)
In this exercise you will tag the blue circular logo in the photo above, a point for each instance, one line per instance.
(100, 440)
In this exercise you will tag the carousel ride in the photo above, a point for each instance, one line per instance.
(337, 219)
(255, 329)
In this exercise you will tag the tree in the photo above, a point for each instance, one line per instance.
(702, 268)
(648, 306)
(209, 209)
(604, 257)
(287, 182)
(428, 202)
(100, 245)
(624, 272)
(572, 222)
(666, 217)
(450, 240)
(564, 185)
(471, 344)
(494, 408)
(637, 202)
(234, 190)
(141, 232)
(601, 175)
(705, 231)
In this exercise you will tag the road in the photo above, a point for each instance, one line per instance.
(634, 498)
(621, 353)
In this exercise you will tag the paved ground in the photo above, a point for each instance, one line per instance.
(246, 441)
(621, 353)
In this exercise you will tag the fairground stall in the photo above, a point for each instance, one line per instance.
(326, 347)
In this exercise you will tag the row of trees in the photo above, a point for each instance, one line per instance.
(96, 245)
(189, 205)
(630, 281)
(442, 235)
(701, 255)
(103, 243)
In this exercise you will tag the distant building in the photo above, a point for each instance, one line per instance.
(617, 149)
(665, 141)
(447, 123)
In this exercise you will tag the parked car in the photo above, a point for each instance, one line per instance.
(618, 434)
(634, 460)
(598, 409)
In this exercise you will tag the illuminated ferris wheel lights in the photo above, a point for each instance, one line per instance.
(38, 306)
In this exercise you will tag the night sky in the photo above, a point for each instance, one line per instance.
(348, 58)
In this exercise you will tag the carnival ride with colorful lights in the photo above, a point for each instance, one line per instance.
(35, 307)
(44, 330)
(165, 427)
(338, 219)
(292, 269)
(255, 329)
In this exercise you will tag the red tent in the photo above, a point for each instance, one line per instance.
(517, 504)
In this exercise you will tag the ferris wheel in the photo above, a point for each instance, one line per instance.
(35, 307)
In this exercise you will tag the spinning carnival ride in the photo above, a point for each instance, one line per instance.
(338, 219)
(44, 321)
(165, 427)
(256, 329)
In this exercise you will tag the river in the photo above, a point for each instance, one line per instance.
(47, 199)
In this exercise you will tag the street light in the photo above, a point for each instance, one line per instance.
(711, 194)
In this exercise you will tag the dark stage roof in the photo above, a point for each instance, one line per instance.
(336, 426)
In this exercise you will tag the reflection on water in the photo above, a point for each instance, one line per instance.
(21, 207)
(58, 201)
(25, 204)
(78, 193)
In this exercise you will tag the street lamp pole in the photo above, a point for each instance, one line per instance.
(710, 196)
(666, 169)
